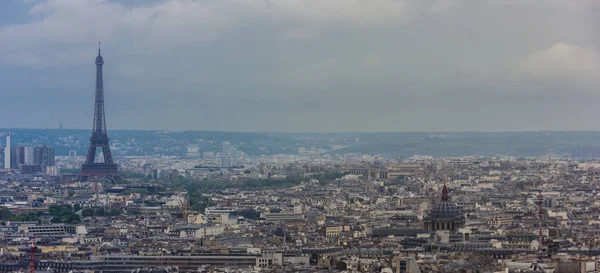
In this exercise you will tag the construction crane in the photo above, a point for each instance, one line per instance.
(537, 265)
(540, 220)
(32, 258)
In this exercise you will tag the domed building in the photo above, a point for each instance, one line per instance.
(444, 215)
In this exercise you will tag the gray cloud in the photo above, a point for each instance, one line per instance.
(564, 60)
(307, 65)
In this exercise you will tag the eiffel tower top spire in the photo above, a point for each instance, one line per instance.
(99, 126)
(99, 59)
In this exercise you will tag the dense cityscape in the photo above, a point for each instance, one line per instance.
(226, 210)
(507, 181)
(309, 211)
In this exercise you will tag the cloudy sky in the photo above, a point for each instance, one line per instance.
(303, 65)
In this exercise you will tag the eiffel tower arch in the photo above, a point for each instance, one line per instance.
(99, 139)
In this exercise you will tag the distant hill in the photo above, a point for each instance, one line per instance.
(576, 144)
(393, 144)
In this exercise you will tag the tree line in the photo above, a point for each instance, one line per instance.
(66, 214)
(195, 187)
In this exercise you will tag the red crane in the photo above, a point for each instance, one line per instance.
(540, 219)
(32, 258)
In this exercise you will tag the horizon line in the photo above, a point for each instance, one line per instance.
(309, 132)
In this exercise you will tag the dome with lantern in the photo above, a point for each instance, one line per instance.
(444, 215)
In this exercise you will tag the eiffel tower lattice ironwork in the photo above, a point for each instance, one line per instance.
(99, 139)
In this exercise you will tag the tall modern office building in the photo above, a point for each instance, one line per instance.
(227, 155)
(43, 156)
(28, 154)
(7, 152)
(1, 156)
(227, 149)
(225, 162)
(21, 155)
(16, 157)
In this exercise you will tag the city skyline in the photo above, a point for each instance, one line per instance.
(310, 136)
(246, 66)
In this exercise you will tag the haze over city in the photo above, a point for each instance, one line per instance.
(305, 136)
(303, 66)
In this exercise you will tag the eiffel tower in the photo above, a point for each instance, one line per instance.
(107, 169)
